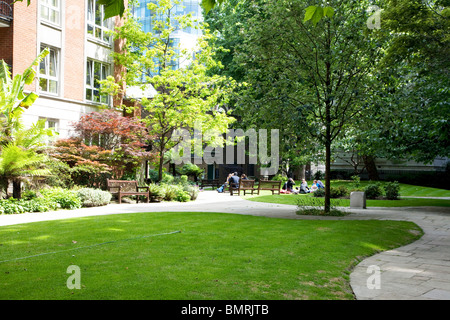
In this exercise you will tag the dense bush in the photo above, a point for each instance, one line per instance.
(339, 192)
(12, 206)
(335, 192)
(182, 196)
(91, 197)
(279, 177)
(67, 199)
(373, 190)
(170, 192)
(392, 190)
(192, 191)
(319, 193)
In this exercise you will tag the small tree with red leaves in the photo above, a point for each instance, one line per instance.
(105, 142)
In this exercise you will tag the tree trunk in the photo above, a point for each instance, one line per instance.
(369, 163)
(327, 177)
(327, 158)
(161, 163)
(17, 189)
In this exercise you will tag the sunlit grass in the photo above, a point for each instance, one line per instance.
(215, 256)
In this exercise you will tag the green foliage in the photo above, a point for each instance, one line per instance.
(182, 91)
(315, 206)
(59, 174)
(335, 192)
(13, 99)
(373, 190)
(156, 190)
(190, 169)
(14, 206)
(183, 196)
(280, 177)
(316, 13)
(392, 190)
(91, 197)
(191, 190)
(339, 192)
(170, 192)
(67, 199)
(319, 193)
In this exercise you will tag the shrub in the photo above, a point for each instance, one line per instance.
(167, 178)
(319, 193)
(13, 206)
(192, 190)
(182, 196)
(373, 191)
(319, 175)
(170, 192)
(339, 192)
(91, 197)
(156, 190)
(315, 206)
(279, 177)
(392, 190)
(67, 199)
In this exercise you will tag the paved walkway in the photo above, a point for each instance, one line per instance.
(420, 270)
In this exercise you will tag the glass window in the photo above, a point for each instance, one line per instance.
(51, 11)
(97, 27)
(49, 72)
(95, 72)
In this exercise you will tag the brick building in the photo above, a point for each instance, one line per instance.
(80, 49)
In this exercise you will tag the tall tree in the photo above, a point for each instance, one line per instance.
(185, 94)
(306, 71)
(20, 148)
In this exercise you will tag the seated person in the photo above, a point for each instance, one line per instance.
(304, 187)
(288, 186)
(220, 189)
(320, 184)
(314, 186)
(234, 180)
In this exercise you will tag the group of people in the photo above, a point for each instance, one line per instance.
(233, 178)
(288, 186)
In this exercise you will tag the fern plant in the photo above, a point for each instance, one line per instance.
(18, 164)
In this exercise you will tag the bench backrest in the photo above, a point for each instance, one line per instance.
(244, 184)
(269, 184)
(126, 185)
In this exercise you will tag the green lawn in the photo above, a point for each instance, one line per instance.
(408, 202)
(406, 191)
(215, 256)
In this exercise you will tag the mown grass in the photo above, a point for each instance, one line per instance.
(406, 194)
(215, 256)
(406, 202)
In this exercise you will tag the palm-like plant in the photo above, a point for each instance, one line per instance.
(18, 164)
(20, 156)
(13, 100)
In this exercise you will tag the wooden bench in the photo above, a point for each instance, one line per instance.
(244, 185)
(269, 185)
(210, 183)
(127, 188)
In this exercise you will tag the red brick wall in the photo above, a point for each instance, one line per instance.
(24, 37)
(6, 43)
(74, 50)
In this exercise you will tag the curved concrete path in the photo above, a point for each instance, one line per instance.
(420, 270)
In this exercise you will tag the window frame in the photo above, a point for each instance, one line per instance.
(92, 22)
(90, 74)
(50, 7)
(47, 76)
